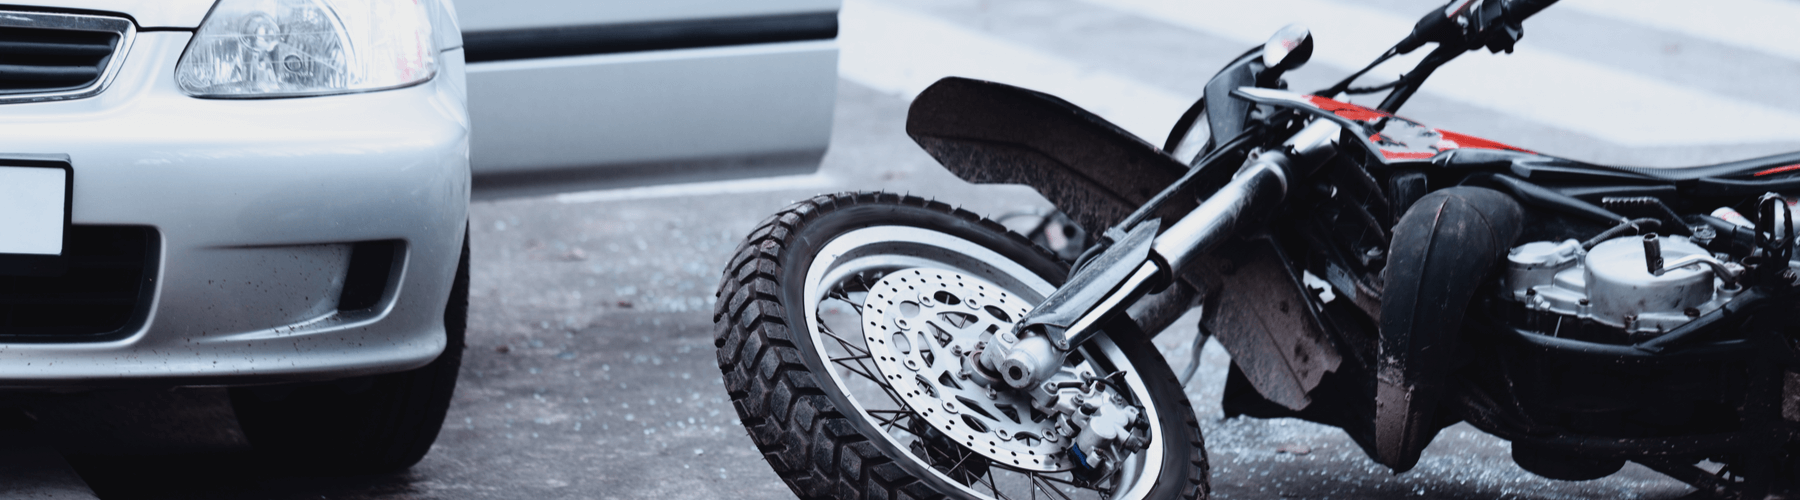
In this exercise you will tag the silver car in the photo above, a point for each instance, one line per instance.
(270, 195)
(582, 94)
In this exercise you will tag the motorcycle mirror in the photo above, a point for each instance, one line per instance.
(1290, 48)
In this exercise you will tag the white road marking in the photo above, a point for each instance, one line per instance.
(811, 183)
(1534, 83)
(1765, 26)
(900, 52)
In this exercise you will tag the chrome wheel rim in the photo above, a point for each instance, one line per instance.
(835, 288)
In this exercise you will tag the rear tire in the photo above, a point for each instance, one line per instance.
(360, 425)
(820, 438)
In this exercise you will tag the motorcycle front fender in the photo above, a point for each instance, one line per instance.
(1092, 170)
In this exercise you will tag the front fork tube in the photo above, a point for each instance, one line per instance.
(1260, 185)
(1254, 191)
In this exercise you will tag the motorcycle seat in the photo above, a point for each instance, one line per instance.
(1753, 167)
(1753, 176)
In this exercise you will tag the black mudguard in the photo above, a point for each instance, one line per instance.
(1444, 247)
(1092, 170)
(1097, 173)
(1260, 312)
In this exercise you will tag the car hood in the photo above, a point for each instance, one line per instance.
(183, 14)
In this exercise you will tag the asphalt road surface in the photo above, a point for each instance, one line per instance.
(590, 368)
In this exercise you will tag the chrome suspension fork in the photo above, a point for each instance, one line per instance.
(1139, 265)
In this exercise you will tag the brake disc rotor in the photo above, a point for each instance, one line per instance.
(919, 324)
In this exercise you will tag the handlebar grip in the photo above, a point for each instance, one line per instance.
(1473, 24)
(1518, 10)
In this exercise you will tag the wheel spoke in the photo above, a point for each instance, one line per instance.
(844, 296)
(891, 422)
(843, 361)
(869, 373)
(1048, 483)
(895, 395)
(866, 371)
(1040, 482)
(965, 457)
(886, 388)
(860, 369)
(990, 483)
(840, 340)
(1113, 477)
(1063, 481)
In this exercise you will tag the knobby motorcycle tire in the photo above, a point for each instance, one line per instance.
(1444, 247)
(783, 403)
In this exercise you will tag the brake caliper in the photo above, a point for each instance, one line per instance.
(926, 329)
(1102, 428)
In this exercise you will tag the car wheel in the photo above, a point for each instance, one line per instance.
(360, 425)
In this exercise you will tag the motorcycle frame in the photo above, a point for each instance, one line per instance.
(1101, 175)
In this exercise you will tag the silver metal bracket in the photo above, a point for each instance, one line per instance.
(1090, 286)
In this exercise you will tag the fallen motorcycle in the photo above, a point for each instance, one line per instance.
(884, 346)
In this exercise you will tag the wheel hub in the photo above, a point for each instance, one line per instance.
(920, 325)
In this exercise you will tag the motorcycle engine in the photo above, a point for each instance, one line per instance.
(1622, 291)
(1612, 285)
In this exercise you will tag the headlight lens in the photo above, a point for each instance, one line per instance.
(279, 48)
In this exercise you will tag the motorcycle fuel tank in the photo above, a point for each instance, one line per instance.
(1392, 138)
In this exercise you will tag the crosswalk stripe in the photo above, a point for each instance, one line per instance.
(1534, 83)
(1765, 26)
(900, 52)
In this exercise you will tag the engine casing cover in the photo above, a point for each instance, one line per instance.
(1612, 284)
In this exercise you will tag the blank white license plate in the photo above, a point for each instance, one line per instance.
(32, 205)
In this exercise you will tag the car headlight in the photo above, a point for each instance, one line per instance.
(284, 48)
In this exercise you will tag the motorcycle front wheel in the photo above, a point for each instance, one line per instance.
(835, 423)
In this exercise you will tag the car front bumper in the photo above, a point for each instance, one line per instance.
(257, 204)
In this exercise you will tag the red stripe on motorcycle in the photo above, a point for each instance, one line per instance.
(1469, 141)
(1403, 155)
(1346, 110)
(1778, 170)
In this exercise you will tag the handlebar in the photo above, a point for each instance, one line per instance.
(1522, 9)
(1473, 24)
(1459, 27)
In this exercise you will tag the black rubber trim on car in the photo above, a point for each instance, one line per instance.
(371, 273)
(530, 43)
(102, 289)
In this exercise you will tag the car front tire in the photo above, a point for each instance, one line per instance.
(360, 425)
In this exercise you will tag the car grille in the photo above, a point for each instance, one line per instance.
(49, 56)
(104, 293)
